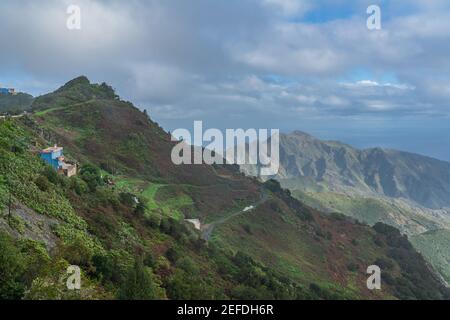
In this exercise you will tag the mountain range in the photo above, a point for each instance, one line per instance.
(338, 167)
(125, 219)
(405, 190)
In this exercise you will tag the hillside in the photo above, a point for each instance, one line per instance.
(337, 167)
(122, 219)
(15, 104)
(423, 226)
(407, 191)
(409, 219)
(435, 246)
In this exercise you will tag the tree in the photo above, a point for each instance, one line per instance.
(138, 284)
(12, 267)
(43, 183)
(92, 176)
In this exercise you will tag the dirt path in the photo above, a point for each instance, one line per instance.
(208, 229)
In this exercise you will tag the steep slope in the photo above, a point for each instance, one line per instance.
(280, 249)
(340, 168)
(435, 246)
(401, 189)
(409, 219)
(123, 141)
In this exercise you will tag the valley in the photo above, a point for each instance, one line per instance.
(407, 191)
(123, 216)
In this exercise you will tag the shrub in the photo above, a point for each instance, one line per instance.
(78, 185)
(76, 253)
(248, 228)
(51, 175)
(12, 268)
(127, 199)
(43, 183)
(138, 284)
(385, 264)
(92, 176)
(352, 267)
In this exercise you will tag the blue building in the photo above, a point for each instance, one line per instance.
(53, 156)
(7, 91)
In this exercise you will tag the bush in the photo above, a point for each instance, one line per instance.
(138, 284)
(127, 199)
(352, 267)
(43, 183)
(248, 228)
(51, 175)
(185, 286)
(141, 208)
(78, 185)
(12, 269)
(385, 264)
(92, 176)
(188, 266)
(173, 255)
(152, 221)
(76, 253)
(112, 267)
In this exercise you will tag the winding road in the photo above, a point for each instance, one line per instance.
(208, 229)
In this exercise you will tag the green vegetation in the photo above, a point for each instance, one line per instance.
(369, 210)
(77, 91)
(44, 112)
(432, 244)
(149, 193)
(416, 282)
(121, 219)
(138, 284)
(187, 268)
(15, 104)
(435, 246)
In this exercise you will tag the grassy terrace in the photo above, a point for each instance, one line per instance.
(158, 196)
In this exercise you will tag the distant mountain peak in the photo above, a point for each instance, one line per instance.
(374, 171)
(299, 133)
(338, 167)
(74, 92)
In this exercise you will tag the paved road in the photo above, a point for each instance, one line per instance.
(208, 229)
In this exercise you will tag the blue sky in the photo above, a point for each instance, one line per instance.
(282, 64)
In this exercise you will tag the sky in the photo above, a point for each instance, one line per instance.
(309, 65)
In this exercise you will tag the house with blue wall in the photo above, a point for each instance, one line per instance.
(54, 156)
(7, 91)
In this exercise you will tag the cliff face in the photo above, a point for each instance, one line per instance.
(340, 168)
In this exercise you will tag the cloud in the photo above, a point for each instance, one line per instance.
(250, 63)
(289, 7)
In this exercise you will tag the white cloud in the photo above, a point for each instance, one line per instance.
(289, 7)
(237, 59)
(372, 83)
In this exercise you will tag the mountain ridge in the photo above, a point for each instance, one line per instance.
(124, 215)
(385, 172)
(403, 189)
